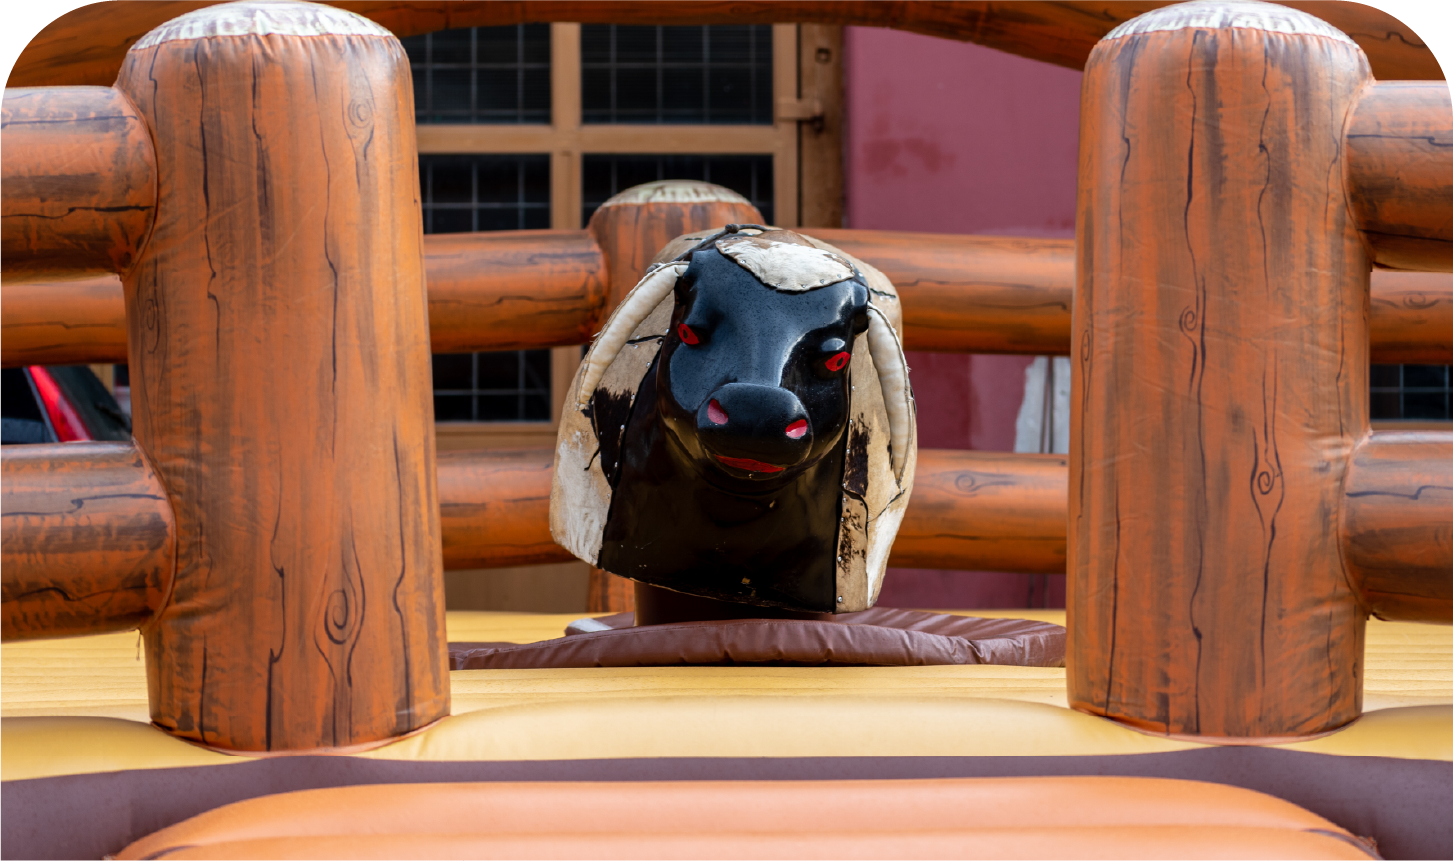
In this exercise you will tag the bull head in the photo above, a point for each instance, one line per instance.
(731, 462)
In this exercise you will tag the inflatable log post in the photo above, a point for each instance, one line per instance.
(279, 352)
(632, 228)
(1220, 357)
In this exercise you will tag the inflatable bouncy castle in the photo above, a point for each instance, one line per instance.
(1254, 659)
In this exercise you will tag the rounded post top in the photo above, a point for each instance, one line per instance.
(675, 191)
(262, 18)
(1228, 14)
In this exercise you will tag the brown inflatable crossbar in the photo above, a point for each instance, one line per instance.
(970, 510)
(531, 289)
(89, 540)
(86, 45)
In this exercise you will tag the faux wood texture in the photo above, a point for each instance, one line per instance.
(280, 384)
(63, 322)
(77, 184)
(88, 543)
(1220, 361)
(980, 510)
(86, 45)
(503, 291)
(630, 234)
(494, 508)
(986, 294)
(1412, 317)
(970, 510)
(513, 290)
(1400, 173)
(1397, 525)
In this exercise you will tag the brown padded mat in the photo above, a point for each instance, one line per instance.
(878, 637)
(1007, 817)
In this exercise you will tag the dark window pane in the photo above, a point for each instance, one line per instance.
(536, 181)
(499, 180)
(636, 93)
(488, 192)
(536, 43)
(1386, 405)
(498, 45)
(730, 44)
(537, 369)
(537, 408)
(1425, 376)
(451, 90)
(595, 42)
(498, 90)
(535, 93)
(482, 75)
(499, 219)
(1386, 376)
(1425, 405)
(684, 93)
(607, 175)
(683, 44)
(449, 221)
(595, 97)
(635, 44)
(453, 408)
(451, 46)
(454, 371)
(499, 370)
(710, 74)
(500, 408)
(730, 92)
(451, 183)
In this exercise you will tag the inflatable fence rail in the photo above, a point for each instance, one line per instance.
(1227, 517)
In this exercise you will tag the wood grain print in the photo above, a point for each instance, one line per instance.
(79, 182)
(86, 45)
(280, 383)
(1220, 359)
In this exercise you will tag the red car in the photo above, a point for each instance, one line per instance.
(58, 403)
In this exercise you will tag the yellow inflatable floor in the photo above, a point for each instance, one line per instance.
(79, 705)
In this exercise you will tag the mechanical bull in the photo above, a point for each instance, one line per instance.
(743, 428)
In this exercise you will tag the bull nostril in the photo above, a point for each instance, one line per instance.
(714, 412)
(798, 429)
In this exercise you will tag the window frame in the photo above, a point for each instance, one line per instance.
(566, 140)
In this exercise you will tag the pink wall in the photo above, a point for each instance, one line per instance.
(949, 137)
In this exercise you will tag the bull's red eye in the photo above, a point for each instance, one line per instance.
(836, 363)
(687, 336)
(798, 429)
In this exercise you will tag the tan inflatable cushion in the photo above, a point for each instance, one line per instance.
(1043, 817)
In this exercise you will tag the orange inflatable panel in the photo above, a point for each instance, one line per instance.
(1036, 817)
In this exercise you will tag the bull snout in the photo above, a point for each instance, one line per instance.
(754, 428)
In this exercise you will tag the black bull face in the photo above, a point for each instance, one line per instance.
(729, 478)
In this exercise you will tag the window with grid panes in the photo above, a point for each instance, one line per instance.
(485, 75)
(718, 74)
(481, 74)
(1412, 392)
(488, 162)
(606, 175)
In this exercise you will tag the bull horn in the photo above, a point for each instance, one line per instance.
(636, 307)
(892, 370)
